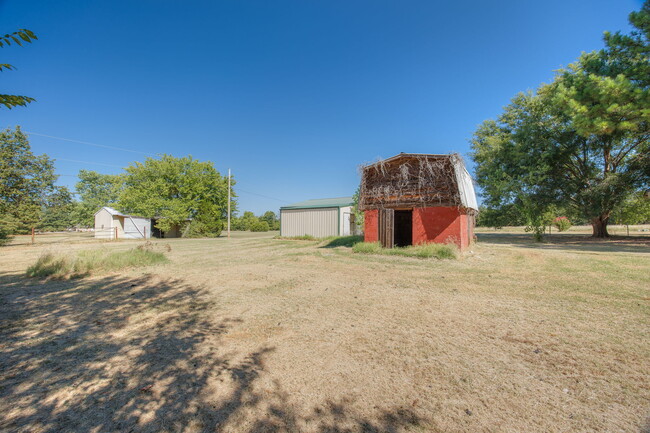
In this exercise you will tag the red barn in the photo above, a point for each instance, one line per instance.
(415, 198)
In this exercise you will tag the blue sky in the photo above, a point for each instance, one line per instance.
(291, 95)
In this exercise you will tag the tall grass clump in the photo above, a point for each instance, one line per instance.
(85, 263)
(423, 251)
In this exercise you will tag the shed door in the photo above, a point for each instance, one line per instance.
(386, 224)
(346, 224)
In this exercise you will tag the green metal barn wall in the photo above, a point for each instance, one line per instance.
(318, 222)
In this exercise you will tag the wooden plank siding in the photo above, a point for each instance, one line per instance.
(386, 227)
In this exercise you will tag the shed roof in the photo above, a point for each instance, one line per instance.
(321, 202)
(111, 211)
(115, 212)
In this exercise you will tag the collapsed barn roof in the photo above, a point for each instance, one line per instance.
(417, 180)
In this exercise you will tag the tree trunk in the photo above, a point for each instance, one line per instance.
(599, 226)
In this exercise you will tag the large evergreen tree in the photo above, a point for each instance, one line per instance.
(581, 142)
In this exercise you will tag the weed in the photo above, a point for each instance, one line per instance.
(423, 251)
(86, 262)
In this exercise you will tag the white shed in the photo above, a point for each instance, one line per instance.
(110, 223)
(318, 218)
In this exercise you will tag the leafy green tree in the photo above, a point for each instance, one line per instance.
(271, 219)
(22, 35)
(358, 215)
(176, 190)
(26, 182)
(95, 191)
(260, 226)
(58, 211)
(580, 142)
(634, 210)
(508, 215)
(246, 221)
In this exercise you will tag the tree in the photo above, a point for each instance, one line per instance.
(58, 211)
(176, 190)
(245, 222)
(635, 209)
(95, 191)
(358, 215)
(26, 182)
(509, 215)
(271, 219)
(22, 35)
(580, 142)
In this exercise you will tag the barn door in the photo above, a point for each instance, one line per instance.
(386, 225)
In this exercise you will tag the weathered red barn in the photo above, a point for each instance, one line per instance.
(415, 198)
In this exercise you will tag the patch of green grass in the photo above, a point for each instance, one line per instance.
(87, 262)
(342, 241)
(423, 251)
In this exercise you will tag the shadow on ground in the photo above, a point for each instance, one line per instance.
(143, 355)
(343, 241)
(559, 241)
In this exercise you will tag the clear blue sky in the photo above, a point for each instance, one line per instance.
(292, 95)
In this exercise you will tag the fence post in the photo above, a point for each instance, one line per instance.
(32, 235)
(145, 232)
(115, 233)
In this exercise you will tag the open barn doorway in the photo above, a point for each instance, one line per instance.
(403, 228)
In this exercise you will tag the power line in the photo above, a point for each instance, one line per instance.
(91, 144)
(260, 195)
(87, 162)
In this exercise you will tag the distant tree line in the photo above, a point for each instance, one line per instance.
(175, 191)
(249, 222)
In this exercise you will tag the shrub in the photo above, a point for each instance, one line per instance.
(86, 262)
(204, 229)
(260, 226)
(562, 223)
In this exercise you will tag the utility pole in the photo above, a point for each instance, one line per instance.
(228, 203)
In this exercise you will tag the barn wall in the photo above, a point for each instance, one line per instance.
(317, 222)
(432, 224)
(371, 225)
(439, 225)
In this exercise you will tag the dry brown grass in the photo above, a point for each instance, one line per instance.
(255, 334)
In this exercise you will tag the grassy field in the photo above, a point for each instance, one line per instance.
(254, 334)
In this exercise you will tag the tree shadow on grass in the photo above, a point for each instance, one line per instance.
(142, 355)
(571, 242)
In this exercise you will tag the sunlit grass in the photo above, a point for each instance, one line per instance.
(86, 262)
